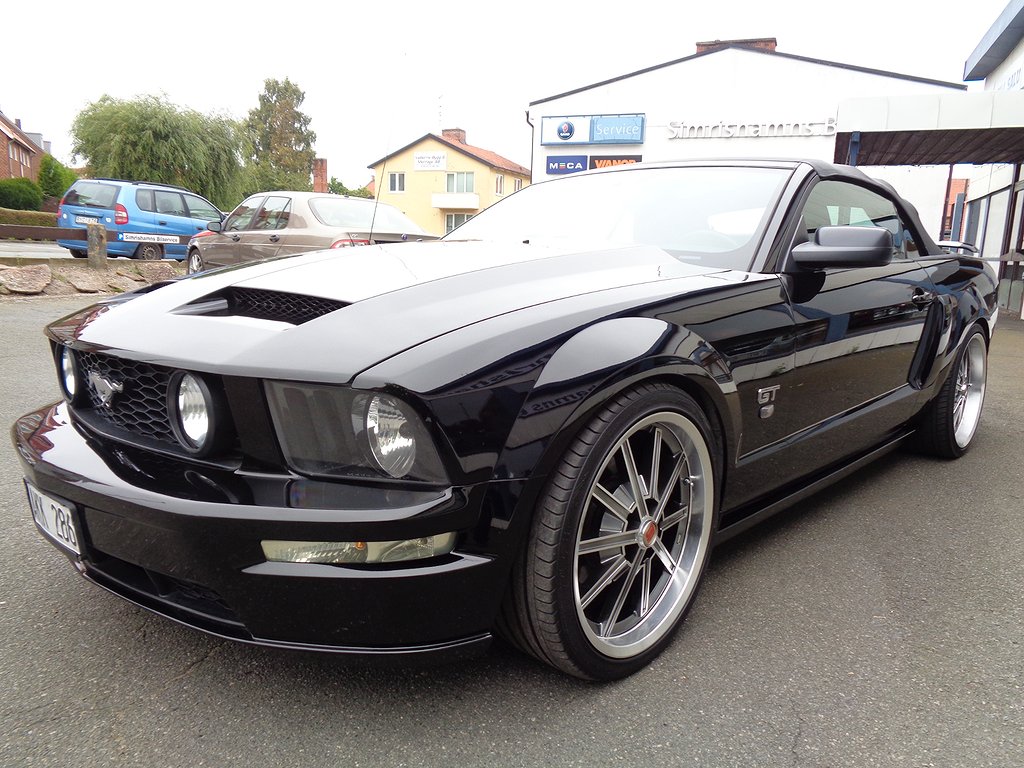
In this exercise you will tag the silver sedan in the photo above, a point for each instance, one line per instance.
(284, 223)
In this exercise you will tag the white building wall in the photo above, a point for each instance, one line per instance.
(735, 86)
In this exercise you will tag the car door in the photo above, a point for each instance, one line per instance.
(221, 248)
(857, 332)
(172, 218)
(263, 237)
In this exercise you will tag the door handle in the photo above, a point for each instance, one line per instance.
(162, 223)
(236, 238)
(922, 298)
(274, 238)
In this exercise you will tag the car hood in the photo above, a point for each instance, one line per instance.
(385, 299)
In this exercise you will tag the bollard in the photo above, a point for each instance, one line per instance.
(97, 239)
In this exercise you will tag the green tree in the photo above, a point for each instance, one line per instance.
(150, 139)
(54, 176)
(280, 140)
(335, 187)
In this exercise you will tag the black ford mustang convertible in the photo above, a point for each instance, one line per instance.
(539, 426)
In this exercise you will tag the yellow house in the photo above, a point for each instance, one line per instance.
(440, 181)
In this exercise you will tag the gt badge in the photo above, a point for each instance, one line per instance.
(766, 399)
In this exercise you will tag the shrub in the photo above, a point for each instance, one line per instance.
(20, 194)
(54, 176)
(28, 218)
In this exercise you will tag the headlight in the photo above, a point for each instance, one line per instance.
(197, 414)
(391, 437)
(67, 373)
(337, 432)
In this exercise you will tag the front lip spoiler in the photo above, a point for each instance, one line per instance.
(452, 650)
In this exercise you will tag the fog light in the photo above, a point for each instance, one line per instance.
(353, 552)
(68, 369)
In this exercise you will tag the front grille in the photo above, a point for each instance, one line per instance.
(277, 305)
(141, 405)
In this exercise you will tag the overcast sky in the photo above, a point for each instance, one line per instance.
(378, 75)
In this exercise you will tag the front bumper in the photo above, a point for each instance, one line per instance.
(183, 540)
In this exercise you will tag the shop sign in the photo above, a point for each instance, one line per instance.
(430, 161)
(617, 129)
(721, 130)
(609, 161)
(592, 129)
(566, 163)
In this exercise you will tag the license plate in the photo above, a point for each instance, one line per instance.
(85, 220)
(55, 518)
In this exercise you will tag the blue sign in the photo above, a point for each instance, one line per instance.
(566, 163)
(617, 129)
(566, 130)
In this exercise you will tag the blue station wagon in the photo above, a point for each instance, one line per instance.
(133, 209)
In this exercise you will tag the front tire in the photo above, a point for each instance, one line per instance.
(620, 539)
(951, 419)
(149, 251)
(195, 261)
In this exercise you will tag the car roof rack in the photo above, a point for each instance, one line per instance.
(151, 183)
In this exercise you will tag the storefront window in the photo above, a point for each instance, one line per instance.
(997, 206)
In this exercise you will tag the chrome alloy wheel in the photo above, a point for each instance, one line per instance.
(969, 395)
(195, 262)
(643, 535)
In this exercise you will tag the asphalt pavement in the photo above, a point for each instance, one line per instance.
(47, 250)
(879, 623)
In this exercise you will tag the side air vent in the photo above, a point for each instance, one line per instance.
(264, 305)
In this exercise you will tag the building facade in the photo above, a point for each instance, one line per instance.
(738, 98)
(19, 155)
(995, 196)
(441, 181)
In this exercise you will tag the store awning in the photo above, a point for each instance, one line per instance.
(933, 129)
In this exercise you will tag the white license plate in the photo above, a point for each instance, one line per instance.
(85, 220)
(55, 518)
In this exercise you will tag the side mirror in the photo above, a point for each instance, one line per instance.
(214, 226)
(839, 247)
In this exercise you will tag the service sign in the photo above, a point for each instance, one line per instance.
(617, 129)
(558, 164)
(592, 129)
(138, 237)
(430, 161)
(609, 161)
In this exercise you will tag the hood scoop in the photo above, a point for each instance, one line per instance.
(261, 304)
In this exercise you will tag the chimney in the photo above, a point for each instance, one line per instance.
(17, 122)
(320, 174)
(454, 134)
(758, 43)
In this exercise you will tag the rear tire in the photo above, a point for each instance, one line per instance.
(951, 419)
(79, 254)
(619, 540)
(149, 251)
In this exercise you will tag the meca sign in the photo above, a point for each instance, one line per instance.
(680, 130)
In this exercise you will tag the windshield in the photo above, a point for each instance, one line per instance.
(711, 215)
(358, 214)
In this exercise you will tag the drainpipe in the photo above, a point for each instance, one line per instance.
(531, 143)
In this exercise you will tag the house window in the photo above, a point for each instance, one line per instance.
(462, 181)
(396, 182)
(499, 185)
(453, 220)
(519, 185)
